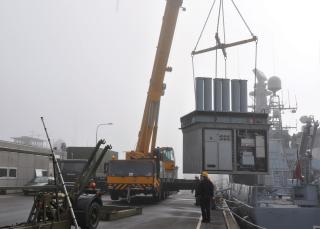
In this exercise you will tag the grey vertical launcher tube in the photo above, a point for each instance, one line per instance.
(217, 94)
(225, 95)
(243, 96)
(207, 93)
(235, 95)
(199, 93)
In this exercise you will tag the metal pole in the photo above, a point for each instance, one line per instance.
(61, 178)
(101, 124)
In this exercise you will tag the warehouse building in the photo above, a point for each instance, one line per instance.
(20, 159)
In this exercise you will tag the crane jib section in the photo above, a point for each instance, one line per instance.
(148, 130)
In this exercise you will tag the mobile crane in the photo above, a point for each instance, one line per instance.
(148, 169)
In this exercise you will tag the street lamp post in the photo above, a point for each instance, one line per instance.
(102, 124)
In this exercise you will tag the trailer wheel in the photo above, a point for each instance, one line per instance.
(93, 216)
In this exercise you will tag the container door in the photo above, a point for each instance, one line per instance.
(218, 149)
(225, 150)
(211, 155)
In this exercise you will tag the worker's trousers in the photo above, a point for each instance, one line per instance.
(205, 208)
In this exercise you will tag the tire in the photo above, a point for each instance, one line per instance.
(156, 197)
(163, 195)
(92, 216)
(114, 195)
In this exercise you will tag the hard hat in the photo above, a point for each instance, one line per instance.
(204, 173)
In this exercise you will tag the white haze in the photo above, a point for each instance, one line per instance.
(80, 63)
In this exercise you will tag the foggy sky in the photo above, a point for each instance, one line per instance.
(81, 63)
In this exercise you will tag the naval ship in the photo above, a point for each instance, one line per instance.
(288, 197)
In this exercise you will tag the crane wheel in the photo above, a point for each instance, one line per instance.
(114, 195)
(156, 196)
(163, 195)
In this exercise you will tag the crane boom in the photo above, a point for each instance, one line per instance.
(149, 124)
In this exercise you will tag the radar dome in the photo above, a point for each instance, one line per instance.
(274, 84)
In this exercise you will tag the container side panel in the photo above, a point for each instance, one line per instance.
(192, 151)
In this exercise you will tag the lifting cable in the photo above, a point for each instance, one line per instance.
(244, 21)
(192, 56)
(204, 26)
(255, 77)
(224, 41)
(217, 37)
(222, 14)
(256, 56)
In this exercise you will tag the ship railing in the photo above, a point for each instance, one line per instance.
(255, 195)
(265, 195)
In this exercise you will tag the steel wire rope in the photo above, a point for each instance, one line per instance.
(244, 21)
(256, 54)
(224, 41)
(255, 77)
(194, 84)
(217, 31)
(204, 26)
(197, 43)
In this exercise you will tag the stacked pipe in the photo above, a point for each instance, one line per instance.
(215, 95)
(239, 95)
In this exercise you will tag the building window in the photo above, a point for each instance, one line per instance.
(12, 172)
(3, 172)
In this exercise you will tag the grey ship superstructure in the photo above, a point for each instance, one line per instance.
(286, 198)
(279, 138)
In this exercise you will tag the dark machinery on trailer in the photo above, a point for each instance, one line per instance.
(51, 210)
